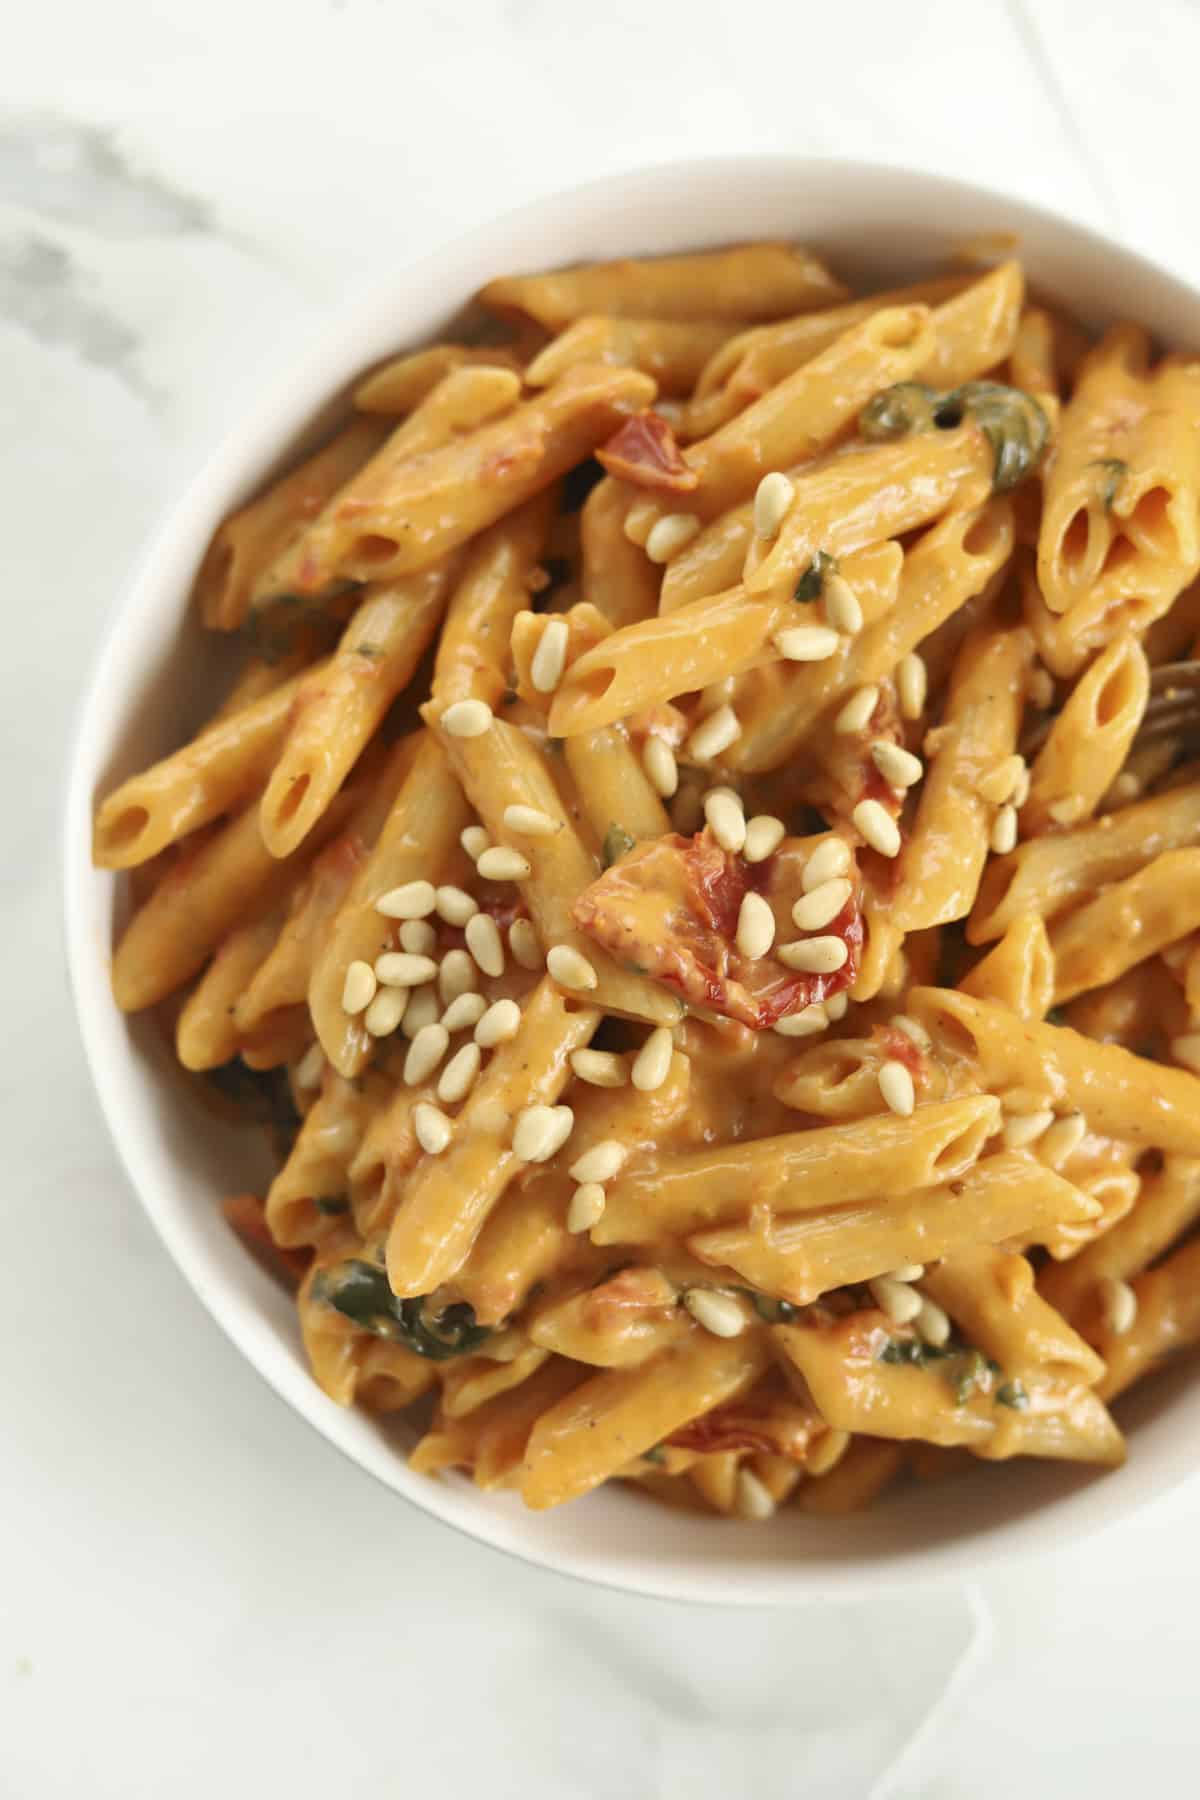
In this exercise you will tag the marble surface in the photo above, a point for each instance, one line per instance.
(197, 1596)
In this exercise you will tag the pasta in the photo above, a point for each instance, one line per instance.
(681, 878)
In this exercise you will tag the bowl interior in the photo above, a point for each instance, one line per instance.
(155, 678)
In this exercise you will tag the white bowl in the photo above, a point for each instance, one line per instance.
(882, 224)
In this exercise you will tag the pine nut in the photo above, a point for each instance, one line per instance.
(501, 863)
(714, 734)
(457, 975)
(933, 1324)
(422, 1010)
(877, 826)
(485, 943)
(1003, 837)
(386, 1011)
(914, 1032)
(821, 904)
(726, 820)
(396, 968)
(1001, 782)
(896, 1086)
(464, 1013)
(586, 1207)
(829, 859)
(897, 766)
(755, 927)
(570, 968)
(842, 609)
(311, 1067)
(764, 834)
(458, 1076)
(718, 1313)
(1118, 1303)
(906, 1272)
(523, 942)
(836, 1006)
(358, 989)
(529, 821)
(601, 1162)
(900, 1302)
(1022, 1129)
(669, 534)
(412, 901)
(432, 1127)
(1039, 689)
(474, 840)
(652, 1064)
(807, 643)
(1069, 810)
(754, 1499)
(912, 685)
(541, 1132)
(498, 1025)
(662, 771)
(550, 658)
(803, 1024)
(815, 955)
(425, 1053)
(455, 905)
(600, 1068)
(418, 937)
(467, 718)
(1062, 1140)
(772, 497)
(858, 712)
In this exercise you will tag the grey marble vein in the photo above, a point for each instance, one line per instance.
(75, 172)
(44, 292)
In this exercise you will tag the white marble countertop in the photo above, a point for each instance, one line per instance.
(197, 1596)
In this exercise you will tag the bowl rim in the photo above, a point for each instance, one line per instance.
(318, 364)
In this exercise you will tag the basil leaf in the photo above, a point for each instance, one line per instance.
(362, 1293)
(811, 584)
(617, 843)
(908, 406)
(1112, 473)
(1014, 1395)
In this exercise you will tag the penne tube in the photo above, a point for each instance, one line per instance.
(591, 1328)
(464, 400)
(975, 330)
(672, 351)
(868, 1467)
(748, 281)
(1019, 972)
(616, 576)
(202, 898)
(348, 1363)
(490, 1441)
(1130, 921)
(338, 712)
(416, 843)
(1143, 1010)
(502, 768)
(208, 777)
(679, 652)
(1167, 1207)
(206, 1031)
(493, 587)
(1089, 739)
(990, 1295)
(250, 540)
(427, 505)
(1047, 875)
(677, 1196)
(614, 1417)
(1119, 1094)
(955, 559)
(472, 1381)
(1167, 1321)
(449, 1197)
(612, 785)
(857, 1391)
(979, 730)
(308, 1201)
(802, 415)
(282, 978)
(1122, 492)
(875, 491)
(804, 1255)
(401, 384)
